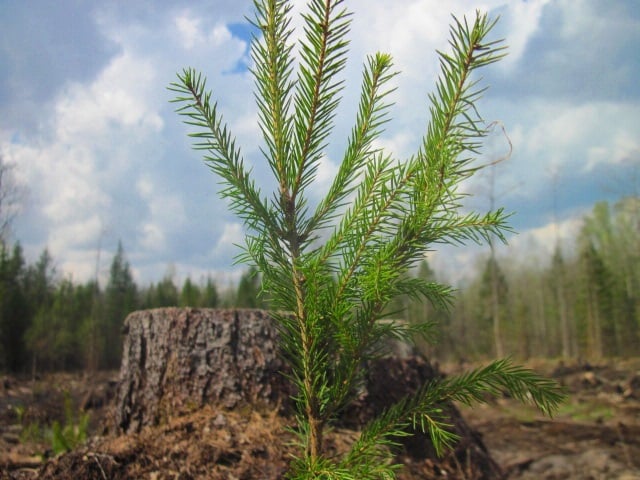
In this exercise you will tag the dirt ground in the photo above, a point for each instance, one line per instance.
(595, 436)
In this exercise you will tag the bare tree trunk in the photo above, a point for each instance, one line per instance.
(564, 316)
(495, 305)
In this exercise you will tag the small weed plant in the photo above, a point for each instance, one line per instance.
(65, 437)
(334, 267)
(29, 431)
(62, 437)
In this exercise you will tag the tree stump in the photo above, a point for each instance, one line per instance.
(179, 359)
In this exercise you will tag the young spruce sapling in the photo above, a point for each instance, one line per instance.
(335, 266)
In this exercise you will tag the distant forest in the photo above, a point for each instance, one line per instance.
(584, 305)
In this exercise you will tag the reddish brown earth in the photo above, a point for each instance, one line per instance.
(595, 436)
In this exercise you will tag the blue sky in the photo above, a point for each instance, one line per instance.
(101, 156)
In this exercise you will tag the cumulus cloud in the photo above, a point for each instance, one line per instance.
(623, 148)
(165, 214)
(543, 239)
(192, 34)
(43, 46)
(232, 235)
(117, 99)
(521, 20)
(580, 135)
(580, 51)
(188, 30)
(70, 172)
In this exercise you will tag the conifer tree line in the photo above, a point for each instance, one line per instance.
(584, 302)
(48, 322)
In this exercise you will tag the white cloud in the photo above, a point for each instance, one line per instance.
(623, 147)
(232, 235)
(545, 238)
(191, 32)
(399, 144)
(151, 235)
(166, 213)
(220, 35)
(77, 232)
(188, 28)
(567, 139)
(152, 238)
(327, 170)
(118, 98)
(93, 132)
(522, 22)
(533, 247)
(562, 125)
(247, 132)
(61, 182)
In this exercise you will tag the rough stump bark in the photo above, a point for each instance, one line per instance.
(178, 359)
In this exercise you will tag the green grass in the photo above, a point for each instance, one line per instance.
(586, 411)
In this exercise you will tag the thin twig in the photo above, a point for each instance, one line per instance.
(95, 458)
(505, 157)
